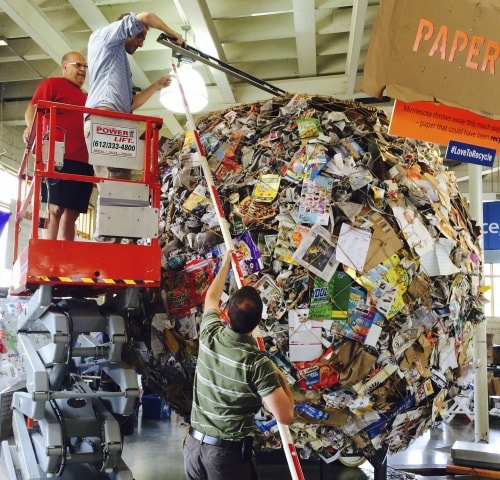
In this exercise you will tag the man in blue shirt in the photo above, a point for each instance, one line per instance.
(110, 74)
(109, 70)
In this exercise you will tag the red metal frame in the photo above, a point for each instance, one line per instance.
(72, 265)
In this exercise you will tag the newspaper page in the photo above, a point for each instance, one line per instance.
(316, 252)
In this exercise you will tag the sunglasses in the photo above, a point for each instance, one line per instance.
(78, 65)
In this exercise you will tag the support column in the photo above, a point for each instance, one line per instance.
(481, 423)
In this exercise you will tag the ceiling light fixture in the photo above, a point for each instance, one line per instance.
(192, 83)
(3, 42)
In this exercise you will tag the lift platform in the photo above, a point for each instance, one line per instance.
(96, 267)
(80, 395)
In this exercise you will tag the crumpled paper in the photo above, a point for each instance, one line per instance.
(379, 379)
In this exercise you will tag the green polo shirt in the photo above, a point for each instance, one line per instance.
(232, 376)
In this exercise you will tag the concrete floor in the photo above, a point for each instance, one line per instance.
(154, 452)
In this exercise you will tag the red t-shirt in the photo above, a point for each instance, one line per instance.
(70, 123)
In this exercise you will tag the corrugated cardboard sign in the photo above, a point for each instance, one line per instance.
(437, 50)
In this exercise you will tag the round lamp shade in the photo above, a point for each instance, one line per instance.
(194, 89)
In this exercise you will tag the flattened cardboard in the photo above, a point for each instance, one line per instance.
(383, 243)
(420, 352)
(433, 51)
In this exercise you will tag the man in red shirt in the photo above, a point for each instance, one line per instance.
(66, 198)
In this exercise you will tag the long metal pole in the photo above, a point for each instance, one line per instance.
(286, 437)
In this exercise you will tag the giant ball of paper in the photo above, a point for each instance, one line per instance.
(362, 248)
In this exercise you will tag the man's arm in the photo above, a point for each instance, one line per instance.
(214, 292)
(280, 402)
(29, 117)
(150, 20)
(142, 97)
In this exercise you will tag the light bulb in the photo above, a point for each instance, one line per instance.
(194, 88)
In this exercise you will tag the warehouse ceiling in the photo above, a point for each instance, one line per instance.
(300, 46)
(317, 47)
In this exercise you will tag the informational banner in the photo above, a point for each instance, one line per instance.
(445, 51)
(465, 152)
(438, 123)
(491, 225)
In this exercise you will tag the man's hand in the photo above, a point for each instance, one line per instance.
(228, 255)
(177, 38)
(214, 292)
(151, 20)
(26, 135)
(163, 82)
(142, 97)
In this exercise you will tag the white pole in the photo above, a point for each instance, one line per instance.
(286, 437)
(481, 420)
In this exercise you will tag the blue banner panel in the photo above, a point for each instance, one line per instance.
(4, 218)
(464, 152)
(491, 225)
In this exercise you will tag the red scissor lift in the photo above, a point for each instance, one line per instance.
(64, 424)
(96, 266)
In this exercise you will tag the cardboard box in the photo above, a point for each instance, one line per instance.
(434, 51)
(495, 383)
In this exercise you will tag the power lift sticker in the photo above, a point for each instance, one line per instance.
(114, 140)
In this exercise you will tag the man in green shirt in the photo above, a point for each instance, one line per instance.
(233, 378)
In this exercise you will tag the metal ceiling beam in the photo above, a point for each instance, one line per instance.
(355, 40)
(327, 85)
(205, 35)
(90, 14)
(305, 38)
(227, 9)
(37, 26)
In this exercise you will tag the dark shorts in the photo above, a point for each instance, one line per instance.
(68, 193)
